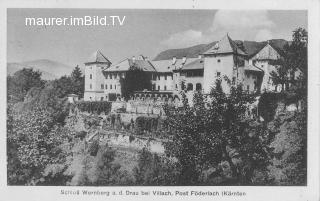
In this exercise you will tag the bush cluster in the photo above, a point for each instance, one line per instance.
(95, 106)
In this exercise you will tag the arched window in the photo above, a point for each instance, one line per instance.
(190, 87)
(198, 87)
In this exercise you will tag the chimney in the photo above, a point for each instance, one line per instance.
(184, 59)
(174, 60)
(133, 59)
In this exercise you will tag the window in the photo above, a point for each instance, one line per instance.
(110, 76)
(190, 87)
(153, 87)
(101, 98)
(218, 74)
(198, 87)
(115, 76)
(90, 86)
(248, 87)
(106, 86)
(90, 76)
(110, 86)
(165, 87)
(102, 86)
(218, 60)
(165, 77)
(159, 87)
(115, 86)
(176, 86)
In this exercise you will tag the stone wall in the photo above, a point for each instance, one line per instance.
(132, 142)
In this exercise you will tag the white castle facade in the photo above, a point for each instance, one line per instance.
(224, 61)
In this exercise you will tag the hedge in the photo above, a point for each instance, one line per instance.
(95, 106)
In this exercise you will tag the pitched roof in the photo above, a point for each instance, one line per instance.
(252, 68)
(98, 57)
(225, 45)
(167, 66)
(197, 64)
(125, 65)
(268, 52)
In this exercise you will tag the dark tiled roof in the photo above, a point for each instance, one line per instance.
(197, 64)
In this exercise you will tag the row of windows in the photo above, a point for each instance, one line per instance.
(106, 86)
(190, 86)
(157, 77)
(115, 75)
(159, 88)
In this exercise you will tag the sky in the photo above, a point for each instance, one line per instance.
(146, 32)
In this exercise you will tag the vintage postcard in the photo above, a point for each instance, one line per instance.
(108, 100)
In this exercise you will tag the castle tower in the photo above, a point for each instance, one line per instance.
(223, 60)
(94, 78)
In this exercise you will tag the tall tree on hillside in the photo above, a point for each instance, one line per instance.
(20, 83)
(135, 80)
(214, 132)
(78, 81)
(73, 84)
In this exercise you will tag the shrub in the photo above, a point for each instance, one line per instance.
(93, 148)
(95, 106)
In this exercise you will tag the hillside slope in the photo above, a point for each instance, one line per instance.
(50, 69)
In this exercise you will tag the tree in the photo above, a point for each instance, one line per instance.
(33, 141)
(293, 61)
(155, 170)
(217, 131)
(20, 83)
(78, 81)
(135, 80)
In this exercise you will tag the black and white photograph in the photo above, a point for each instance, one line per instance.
(123, 97)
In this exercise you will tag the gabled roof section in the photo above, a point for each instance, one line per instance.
(268, 52)
(224, 46)
(195, 65)
(165, 66)
(125, 65)
(98, 57)
(253, 68)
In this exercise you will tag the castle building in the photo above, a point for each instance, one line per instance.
(224, 61)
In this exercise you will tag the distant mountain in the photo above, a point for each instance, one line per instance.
(250, 47)
(50, 69)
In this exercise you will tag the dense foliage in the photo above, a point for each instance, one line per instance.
(94, 106)
(217, 132)
(135, 80)
(21, 82)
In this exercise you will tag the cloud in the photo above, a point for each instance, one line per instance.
(241, 19)
(240, 24)
(185, 39)
(263, 35)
